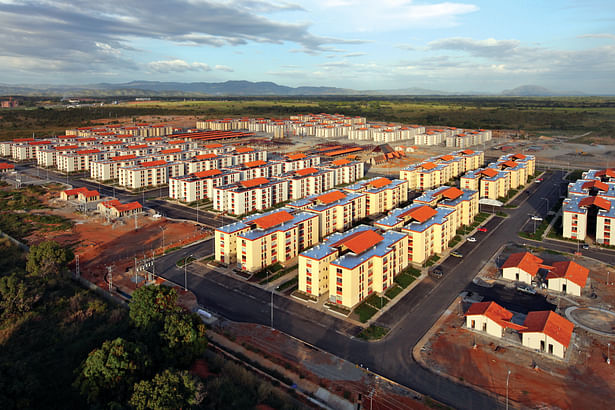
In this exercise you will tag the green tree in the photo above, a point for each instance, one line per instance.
(170, 390)
(109, 373)
(183, 339)
(48, 258)
(151, 304)
(15, 297)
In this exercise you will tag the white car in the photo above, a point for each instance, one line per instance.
(536, 218)
(471, 239)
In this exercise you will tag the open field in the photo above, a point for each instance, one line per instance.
(557, 114)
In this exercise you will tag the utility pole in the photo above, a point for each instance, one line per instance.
(507, 377)
(136, 275)
(77, 273)
(110, 277)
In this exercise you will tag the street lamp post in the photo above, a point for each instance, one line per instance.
(547, 199)
(186, 272)
(507, 377)
(608, 353)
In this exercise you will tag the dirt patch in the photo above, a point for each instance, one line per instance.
(535, 380)
(336, 375)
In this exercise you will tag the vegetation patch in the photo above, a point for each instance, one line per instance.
(374, 332)
(404, 279)
(365, 312)
(393, 291)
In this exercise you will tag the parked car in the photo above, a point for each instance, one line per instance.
(456, 254)
(482, 229)
(539, 180)
(585, 246)
(471, 239)
(437, 272)
(526, 289)
(536, 218)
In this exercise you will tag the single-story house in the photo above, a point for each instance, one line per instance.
(114, 208)
(567, 277)
(490, 317)
(6, 167)
(80, 194)
(548, 332)
(522, 267)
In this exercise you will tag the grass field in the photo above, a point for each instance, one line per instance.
(566, 115)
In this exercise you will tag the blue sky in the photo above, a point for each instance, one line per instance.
(454, 46)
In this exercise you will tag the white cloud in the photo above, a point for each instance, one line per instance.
(598, 35)
(223, 68)
(167, 66)
(356, 54)
(481, 48)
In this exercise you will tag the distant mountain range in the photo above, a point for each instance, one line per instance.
(236, 88)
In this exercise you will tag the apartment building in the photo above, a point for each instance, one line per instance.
(437, 171)
(382, 194)
(200, 185)
(346, 171)
(242, 155)
(337, 210)
(6, 167)
(464, 202)
(259, 169)
(48, 157)
(80, 160)
(149, 174)
(108, 169)
(590, 207)
(294, 162)
(308, 181)
(251, 195)
(264, 239)
(528, 160)
(26, 150)
(352, 265)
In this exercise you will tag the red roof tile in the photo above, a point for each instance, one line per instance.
(525, 261)
(339, 162)
(467, 152)
(489, 172)
(153, 163)
(569, 270)
(551, 324)
(208, 173)
(123, 157)
(428, 165)
(250, 183)
(451, 193)
(330, 197)
(363, 241)
(421, 213)
(494, 312)
(275, 219)
(214, 146)
(170, 151)
(596, 200)
(446, 157)
(510, 164)
(379, 183)
(293, 157)
(595, 184)
(205, 156)
(88, 151)
(244, 150)
(4, 165)
(609, 172)
(306, 171)
(253, 164)
(519, 156)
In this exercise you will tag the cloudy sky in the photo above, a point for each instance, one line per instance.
(362, 44)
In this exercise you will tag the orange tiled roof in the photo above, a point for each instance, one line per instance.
(467, 152)
(596, 200)
(293, 157)
(380, 182)
(170, 151)
(4, 165)
(208, 173)
(551, 324)
(421, 213)
(250, 183)
(331, 197)
(428, 165)
(214, 146)
(275, 219)
(362, 241)
(338, 162)
(595, 184)
(609, 172)
(569, 270)
(489, 172)
(253, 164)
(123, 157)
(510, 164)
(306, 171)
(519, 156)
(494, 312)
(451, 193)
(153, 163)
(205, 156)
(446, 157)
(88, 151)
(244, 149)
(525, 261)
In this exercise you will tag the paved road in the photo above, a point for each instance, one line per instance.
(409, 320)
